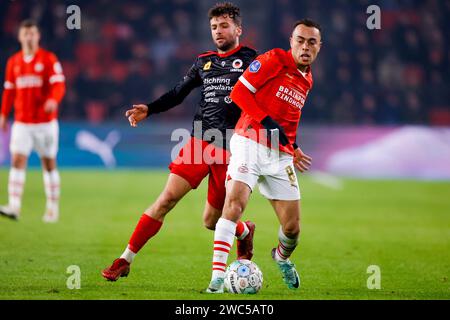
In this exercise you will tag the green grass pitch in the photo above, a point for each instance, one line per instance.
(401, 226)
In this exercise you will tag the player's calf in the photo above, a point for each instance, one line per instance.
(52, 183)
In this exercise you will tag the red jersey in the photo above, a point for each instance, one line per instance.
(279, 89)
(29, 83)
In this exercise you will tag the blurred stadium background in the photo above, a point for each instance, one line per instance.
(380, 95)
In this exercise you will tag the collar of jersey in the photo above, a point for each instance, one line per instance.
(229, 53)
(28, 59)
(293, 65)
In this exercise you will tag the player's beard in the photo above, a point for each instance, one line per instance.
(227, 45)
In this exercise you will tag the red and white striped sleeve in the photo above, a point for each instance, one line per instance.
(9, 89)
(56, 79)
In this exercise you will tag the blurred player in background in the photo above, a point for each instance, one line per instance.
(271, 94)
(34, 85)
(215, 72)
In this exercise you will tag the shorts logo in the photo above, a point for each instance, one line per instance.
(237, 64)
(207, 66)
(255, 66)
(243, 169)
(223, 63)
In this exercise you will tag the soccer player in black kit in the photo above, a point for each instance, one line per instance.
(215, 72)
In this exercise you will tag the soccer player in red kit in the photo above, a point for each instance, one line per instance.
(271, 93)
(215, 73)
(34, 85)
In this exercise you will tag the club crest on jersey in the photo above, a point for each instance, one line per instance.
(207, 66)
(255, 66)
(223, 63)
(243, 168)
(38, 67)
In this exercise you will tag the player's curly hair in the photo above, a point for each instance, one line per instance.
(226, 8)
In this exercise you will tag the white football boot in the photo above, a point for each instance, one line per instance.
(9, 212)
(50, 216)
(215, 286)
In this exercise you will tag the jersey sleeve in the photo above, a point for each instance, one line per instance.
(56, 79)
(177, 94)
(261, 70)
(9, 89)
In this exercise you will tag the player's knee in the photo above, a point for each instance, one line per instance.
(233, 208)
(49, 164)
(167, 201)
(18, 162)
(292, 229)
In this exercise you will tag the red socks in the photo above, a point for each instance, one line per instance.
(146, 228)
(241, 230)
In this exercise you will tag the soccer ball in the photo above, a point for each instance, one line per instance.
(243, 276)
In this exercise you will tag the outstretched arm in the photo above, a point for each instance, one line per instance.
(168, 100)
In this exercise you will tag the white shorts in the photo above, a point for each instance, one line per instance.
(273, 171)
(41, 137)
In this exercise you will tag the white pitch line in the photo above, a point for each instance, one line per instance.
(327, 180)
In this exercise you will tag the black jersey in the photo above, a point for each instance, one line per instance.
(216, 74)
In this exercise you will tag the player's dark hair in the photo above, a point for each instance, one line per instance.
(226, 9)
(28, 23)
(309, 23)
